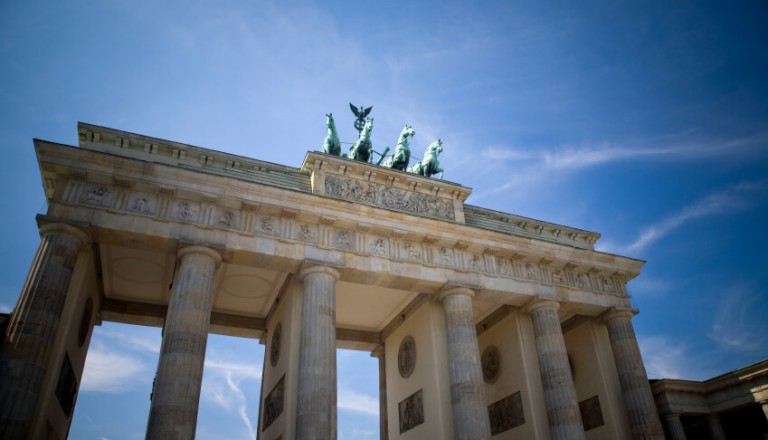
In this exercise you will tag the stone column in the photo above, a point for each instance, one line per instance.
(470, 414)
(176, 394)
(378, 352)
(559, 392)
(643, 415)
(27, 345)
(316, 394)
(675, 427)
(715, 427)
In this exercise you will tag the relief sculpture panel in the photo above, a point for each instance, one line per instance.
(411, 411)
(273, 403)
(390, 198)
(506, 414)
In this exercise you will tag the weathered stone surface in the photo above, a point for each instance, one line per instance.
(470, 415)
(643, 415)
(559, 393)
(176, 393)
(32, 329)
(316, 396)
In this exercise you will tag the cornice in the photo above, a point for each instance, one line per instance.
(131, 186)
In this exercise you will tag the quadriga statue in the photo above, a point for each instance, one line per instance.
(361, 149)
(429, 166)
(399, 160)
(331, 144)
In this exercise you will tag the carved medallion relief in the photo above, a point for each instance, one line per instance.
(491, 363)
(406, 357)
(274, 349)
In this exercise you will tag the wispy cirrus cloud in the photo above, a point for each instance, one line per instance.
(551, 164)
(351, 400)
(108, 371)
(663, 358)
(577, 157)
(727, 200)
(223, 386)
(739, 325)
(134, 341)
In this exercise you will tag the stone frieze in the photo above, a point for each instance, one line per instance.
(431, 252)
(389, 198)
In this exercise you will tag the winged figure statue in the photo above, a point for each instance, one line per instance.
(361, 113)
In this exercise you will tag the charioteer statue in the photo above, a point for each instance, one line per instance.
(362, 149)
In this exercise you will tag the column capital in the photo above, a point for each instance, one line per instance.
(378, 352)
(455, 290)
(62, 228)
(617, 312)
(313, 269)
(537, 304)
(200, 250)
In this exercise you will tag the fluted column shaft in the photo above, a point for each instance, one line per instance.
(675, 427)
(715, 427)
(32, 329)
(559, 392)
(316, 394)
(638, 397)
(470, 414)
(379, 353)
(176, 394)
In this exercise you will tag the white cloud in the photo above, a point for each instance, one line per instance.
(551, 165)
(664, 359)
(5, 308)
(353, 401)
(715, 203)
(738, 324)
(223, 387)
(110, 372)
(133, 340)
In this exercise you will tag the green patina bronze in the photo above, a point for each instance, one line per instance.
(361, 113)
(331, 144)
(361, 149)
(429, 166)
(402, 155)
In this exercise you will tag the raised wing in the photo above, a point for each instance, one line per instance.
(366, 112)
(355, 110)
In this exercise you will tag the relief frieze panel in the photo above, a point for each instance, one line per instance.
(186, 211)
(96, 195)
(344, 239)
(379, 247)
(306, 233)
(445, 256)
(389, 198)
(227, 218)
(142, 203)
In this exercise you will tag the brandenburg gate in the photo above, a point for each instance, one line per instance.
(485, 324)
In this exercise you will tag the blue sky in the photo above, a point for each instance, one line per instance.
(644, 121)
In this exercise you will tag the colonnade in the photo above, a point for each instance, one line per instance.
(676, 430)
(173, 412)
